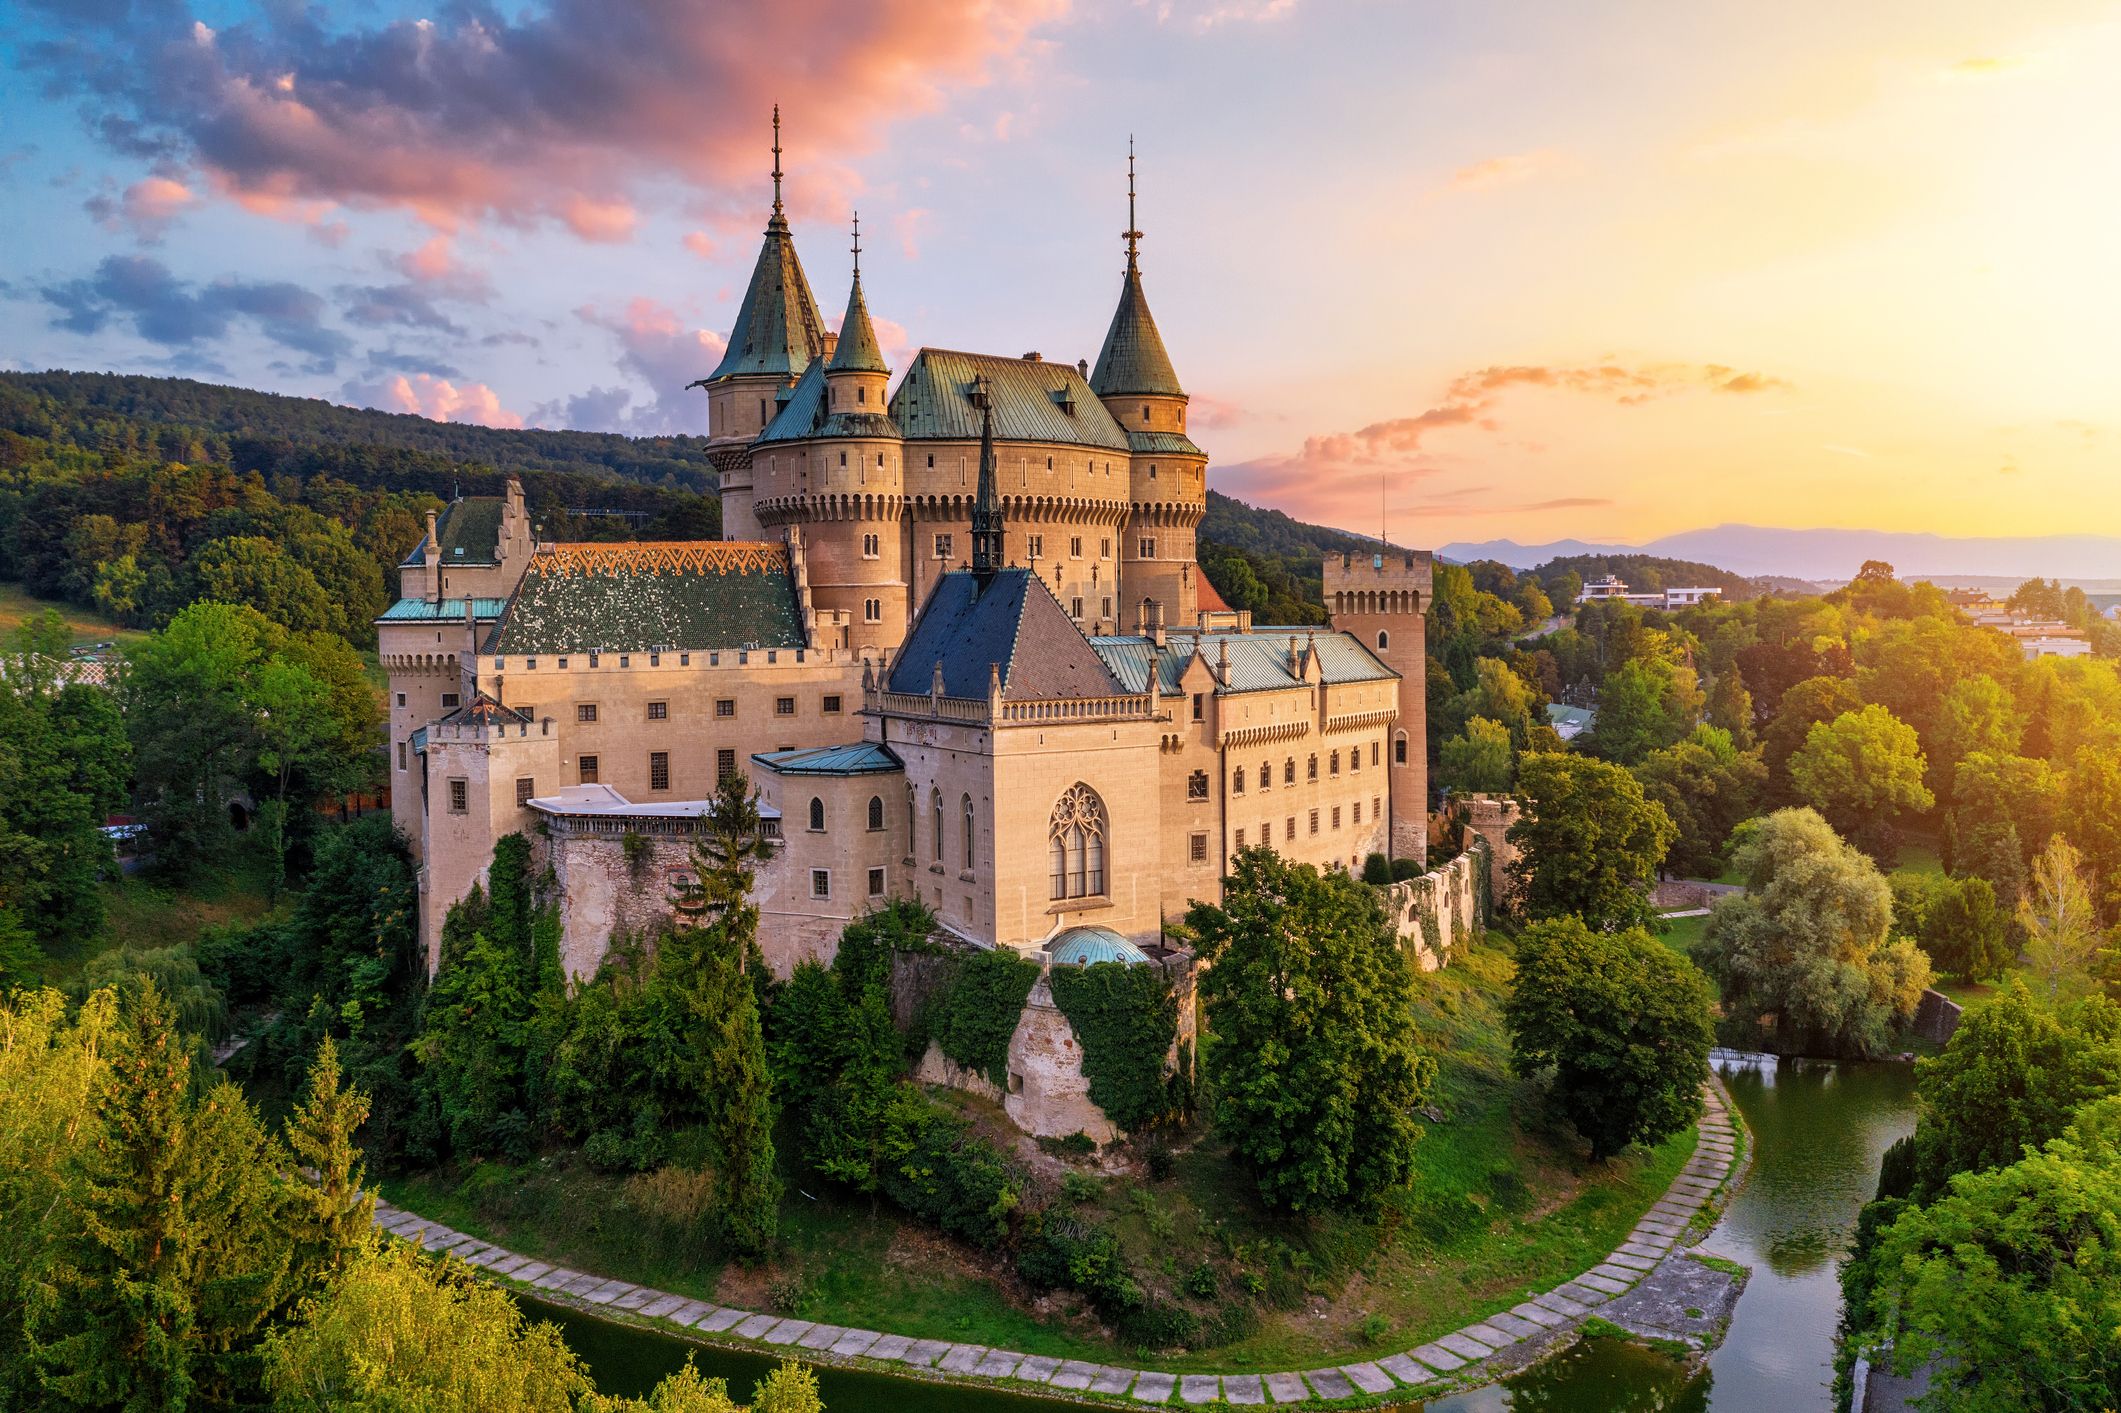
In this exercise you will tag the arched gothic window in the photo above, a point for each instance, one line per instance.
(1384, 640)
(1077, 831)
(935, 810)
(1288, 771)
(970, 834)
(817, 814)
(876, 812)
(1266, 775)
(913, 819)
(1399, 749)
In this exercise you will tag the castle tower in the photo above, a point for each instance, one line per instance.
(1168, 488)
(777, 335)
(849, 489)
(1380, 599)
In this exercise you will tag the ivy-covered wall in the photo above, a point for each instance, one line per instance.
(1443, 909)
(973, 1016)
(1126, 1020)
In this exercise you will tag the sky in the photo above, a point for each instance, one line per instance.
(1587, 268)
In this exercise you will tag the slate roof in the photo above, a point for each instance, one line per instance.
(690, 594)
(802, 415)
(1034, 401)
(1012, 622)
(483, 710)
(1259, 660)
(857, 350)
(777, 326)
(447, 611)
(1133, 358)
(469, 531)
(855, 758)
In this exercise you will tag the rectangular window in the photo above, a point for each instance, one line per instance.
(871, 546)
(401, 755)
(784, 706)
(525, 789)
(659, 770)
(530, 664)
(563, 664)
(1336, 816)
(1035, 546)
(1197, 848)
(1106, 611)
(1358, 811)
(1104, 548)
(1377, 809)
(943, 547)
(1075, 547)
(1373, 753)
(589, 770)
(724, 764)
(821, 883)
(832, 706)
(659, 711)
(876, 883)
(1288, 829)
(459, 796)
(872, 610)
(1240, 838)
(684, 659)
(769, 829)
(450, 700)
(1266, 834)
(1314, 821)
(1075, 608)
(725, 706)
(625, 660)
(1355, 759)
(401, 699)
(655, 659)
(585, 711)
(1200, 706)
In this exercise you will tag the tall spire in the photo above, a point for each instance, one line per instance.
(777, 215)
(986, 505)
(1133, 360)
(1132, 235)
(858, 350)
(777, 330)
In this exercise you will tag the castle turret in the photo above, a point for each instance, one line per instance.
(777, 335)
(856, 377)
(1168, 485)
(1381, 599)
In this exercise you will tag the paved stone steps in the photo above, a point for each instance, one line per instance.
(1451, 1359)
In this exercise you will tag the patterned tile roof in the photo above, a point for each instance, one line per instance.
(1259, 660)
(1034, 401)
(855, 758)
(692, 594)
(1133, 358)
(777, 326)
(1012, 623)
(447, 611)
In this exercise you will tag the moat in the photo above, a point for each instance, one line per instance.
(1819, 1129)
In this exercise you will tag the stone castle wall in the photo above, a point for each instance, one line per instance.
(1444, 909)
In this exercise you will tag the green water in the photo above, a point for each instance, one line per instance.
(1819, 1130)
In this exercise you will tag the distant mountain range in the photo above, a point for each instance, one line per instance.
(1836, 555)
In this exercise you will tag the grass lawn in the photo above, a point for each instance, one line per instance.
(1502, 1206)
(143, 913)
(1681, 933)
(17, 605)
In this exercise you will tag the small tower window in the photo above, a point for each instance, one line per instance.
(1145, 414)
(861, 395)
(843, 458)
(1384, 640)
(817, 816)
(876, 812)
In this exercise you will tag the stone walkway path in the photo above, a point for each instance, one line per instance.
(1461, 1357)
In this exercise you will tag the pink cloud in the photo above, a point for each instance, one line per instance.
(701, 244)
(147, 208)
(563, 113)
(1503, 171)
(907, 225)
(659, 347)
(425, 395)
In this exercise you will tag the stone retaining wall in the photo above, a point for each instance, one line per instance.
(1484, 1350)
(1936, 1017)
(1442, 910)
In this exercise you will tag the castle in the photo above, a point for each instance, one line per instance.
(955, 636)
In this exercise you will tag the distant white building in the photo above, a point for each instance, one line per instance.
(1613, 589)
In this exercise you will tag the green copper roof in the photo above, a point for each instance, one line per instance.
(857, 351)
(855, 758)
(1034, 401)
(681, 594)
(802, 415)
(777, 328)
(1259, 660)
(1133, 360)
(447, 611)
(1087, 946)
(1163, 443)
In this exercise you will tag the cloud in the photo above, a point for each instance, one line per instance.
(701, 244)
(1982, 67)
(398, 360)
(1338, 472)
(177, 313)
(1503, 171)
(441, 399)
(406, 306)
(561, 113)
(907, 225)
(1200, 16)
(146, 209)
(658, 347)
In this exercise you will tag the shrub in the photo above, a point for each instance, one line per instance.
(974, 1019)
(1404, 869)
(1377, 870)
(944, 1175)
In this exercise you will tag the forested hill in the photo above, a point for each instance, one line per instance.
(1647, 573)
(64, 399)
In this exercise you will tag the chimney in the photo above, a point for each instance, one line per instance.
(1222, 662)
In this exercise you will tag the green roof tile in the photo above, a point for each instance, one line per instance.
(1034, 401)
(857, 350)
(689, 594)
(1133, 360)
(777, 326)
(469, 530)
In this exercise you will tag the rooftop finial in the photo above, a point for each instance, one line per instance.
(776, 159)
(1132, 235)
(857, 247)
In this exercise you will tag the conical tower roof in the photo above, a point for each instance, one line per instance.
(857, 351)
(778, 330)
(1133, 359)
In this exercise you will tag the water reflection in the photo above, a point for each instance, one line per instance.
(1595, 1376)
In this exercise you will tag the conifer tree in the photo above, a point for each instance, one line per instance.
(333, 1212)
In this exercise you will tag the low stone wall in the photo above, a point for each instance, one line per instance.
(1443, 909)
(1936, 1017)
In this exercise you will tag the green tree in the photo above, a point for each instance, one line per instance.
(1731, 707)
(1978, 714)
(333, 1213)
(2009, 1288)
(256, 572)
(1707, 786)
(1620, 1024)
(1805, 952)
(1316, 1068)
(1803, 705)
(2093, 816)
(1991, 793)
(1477, 763)
(2012, 1076)
(171, 1252)
(1863, 772)
(1643, 706)
(1591, 842)
(1965, 932)
(2063, 944)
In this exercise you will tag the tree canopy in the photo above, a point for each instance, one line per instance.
(1591, 841)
